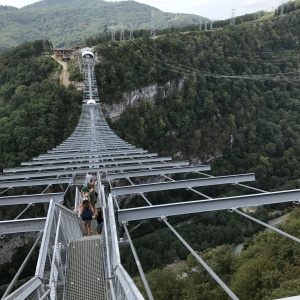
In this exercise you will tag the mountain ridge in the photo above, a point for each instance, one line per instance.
(66, 24)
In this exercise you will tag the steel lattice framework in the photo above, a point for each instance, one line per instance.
(125, 170)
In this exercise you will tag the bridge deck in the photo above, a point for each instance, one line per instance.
(85, 271)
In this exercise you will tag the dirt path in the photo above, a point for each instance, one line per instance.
(64, 76)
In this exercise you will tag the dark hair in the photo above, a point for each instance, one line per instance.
(85, 202)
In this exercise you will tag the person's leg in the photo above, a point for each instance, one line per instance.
(91, 231)
(94, 207)
(85, 228)
(99, 228)
(88, 228)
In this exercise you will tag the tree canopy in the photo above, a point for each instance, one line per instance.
(36, 112)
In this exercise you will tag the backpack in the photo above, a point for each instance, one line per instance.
(86, 214)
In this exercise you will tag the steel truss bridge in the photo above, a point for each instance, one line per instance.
(68, 262)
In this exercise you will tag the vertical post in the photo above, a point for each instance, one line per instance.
(152, 31)
(232, 21)
(131, 36)
(54, 272)
(76, 199)
(108, 254)
(40, 266)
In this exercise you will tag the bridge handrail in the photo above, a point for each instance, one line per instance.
(127, 286)
(106, 245)
(33, 286)
(51, 266)
(123, 285)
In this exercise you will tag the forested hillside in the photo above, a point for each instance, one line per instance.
(238, 109)
(36, 112)
(268, 269)
(67, 23)
(240, 100)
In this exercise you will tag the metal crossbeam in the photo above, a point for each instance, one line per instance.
(182, 208)
(173, 185)
(33, 182)
(24, 225)
(84, 165)
(96, 140)
(98, 137)
(26, 199)
(101, 134)
(83, 171)
(67, 150)
(91, 139)
(112, 176)
(87, 159)
(88, 154)
(87, 145)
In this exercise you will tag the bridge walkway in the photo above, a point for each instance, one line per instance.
(85, 270)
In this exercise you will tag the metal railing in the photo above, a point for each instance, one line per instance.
(62, 226)
(121, 285)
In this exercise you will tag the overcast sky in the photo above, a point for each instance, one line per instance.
(213, 9)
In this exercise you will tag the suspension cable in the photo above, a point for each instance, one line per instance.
(202, 262)
(207, 74)
(267, 225)
(139, 266)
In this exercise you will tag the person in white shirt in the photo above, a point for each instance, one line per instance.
(88, 178)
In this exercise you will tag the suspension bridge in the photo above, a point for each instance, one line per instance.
(68, 261)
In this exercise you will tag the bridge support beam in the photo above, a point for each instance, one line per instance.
(26, 199)
(182, 208)
(180, 184)
(34, 182)
(24, 225)
(188, 169)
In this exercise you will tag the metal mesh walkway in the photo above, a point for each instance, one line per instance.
(85, 270)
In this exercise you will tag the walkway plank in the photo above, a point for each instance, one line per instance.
(85, 271)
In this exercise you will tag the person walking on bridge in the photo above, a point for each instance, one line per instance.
(85, 190)
(86, 212)
(88, 178)
(99, 218)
